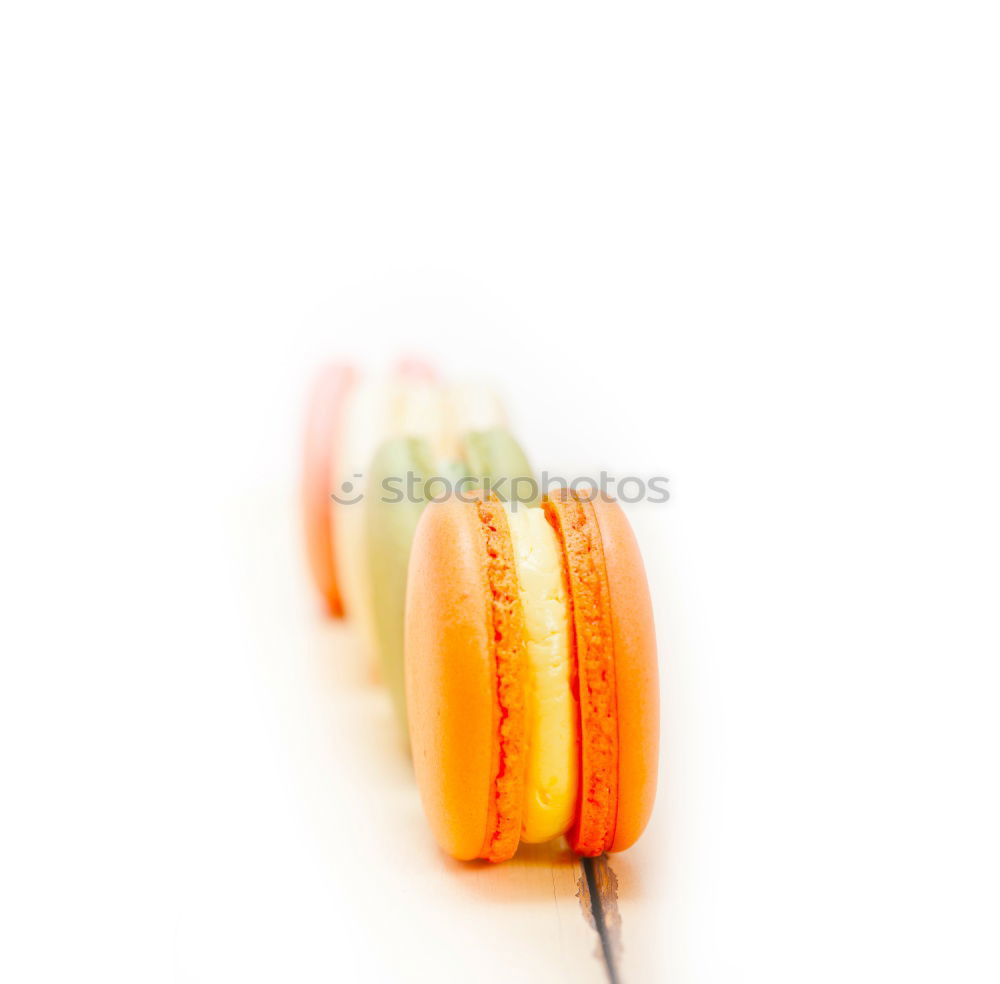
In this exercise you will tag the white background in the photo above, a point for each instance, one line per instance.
(751, 246)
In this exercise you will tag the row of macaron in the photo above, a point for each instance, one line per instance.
(515, 637)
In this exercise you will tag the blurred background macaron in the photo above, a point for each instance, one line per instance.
(405, 476)
(350, 413)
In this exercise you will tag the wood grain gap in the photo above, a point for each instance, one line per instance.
(599, 898)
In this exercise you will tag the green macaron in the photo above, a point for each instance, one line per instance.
(403, 478)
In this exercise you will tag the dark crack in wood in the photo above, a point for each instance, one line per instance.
(597, 890)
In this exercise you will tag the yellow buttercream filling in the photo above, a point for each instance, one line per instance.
(552, 766)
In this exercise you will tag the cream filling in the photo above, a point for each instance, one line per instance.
(473, 407)
(552, 751)
(377, 409)
(421, 410)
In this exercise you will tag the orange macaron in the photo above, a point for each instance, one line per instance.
(349, 414)
(531, 675)
(324, 432)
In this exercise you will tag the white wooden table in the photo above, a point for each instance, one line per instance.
(396, 907)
